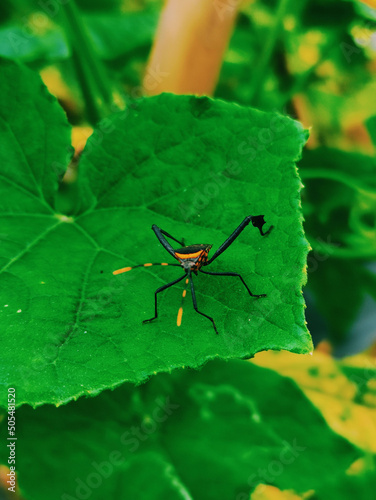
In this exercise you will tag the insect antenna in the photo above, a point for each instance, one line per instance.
(180, 312)
(148, 264)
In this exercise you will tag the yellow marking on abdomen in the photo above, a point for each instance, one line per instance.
(180, 314)
(188, 255)
(147, 265)
(164, 263)
(187, 281)
(184, 293)
(124, 270)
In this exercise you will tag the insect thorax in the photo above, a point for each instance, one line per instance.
(193, 257)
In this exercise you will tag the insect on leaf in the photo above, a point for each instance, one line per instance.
(193, 166)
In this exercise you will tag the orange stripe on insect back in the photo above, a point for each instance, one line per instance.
(147, 265)
(124, 270)
(164, 263)
(180, 314)
(184, 293)
(188, 255)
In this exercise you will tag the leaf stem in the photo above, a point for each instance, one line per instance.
(333, 175)
(339, 252)
(95, 86)
(93, 108)
(353, 183)
(258, 78)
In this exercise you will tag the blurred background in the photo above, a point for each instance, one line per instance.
(314, 60)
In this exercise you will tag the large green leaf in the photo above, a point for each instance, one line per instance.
(193, 166)
(208, 435)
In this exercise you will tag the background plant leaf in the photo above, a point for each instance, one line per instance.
(349, 486)
(371, 127)
(344, 391)
(339, 207)
(113, 35)
(242, 424)
(313, 32)
(195, 167)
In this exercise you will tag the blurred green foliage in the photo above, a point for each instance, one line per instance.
(207, 434)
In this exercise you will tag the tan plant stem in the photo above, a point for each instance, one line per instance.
(190, 42)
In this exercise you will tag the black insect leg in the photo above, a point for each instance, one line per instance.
(195, 304)
(169, 236)
(257, 221)
(235, 274)
(161, 290)
(166, 245)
